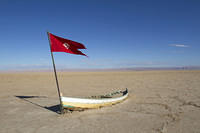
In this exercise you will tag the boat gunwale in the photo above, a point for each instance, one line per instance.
(94, 101)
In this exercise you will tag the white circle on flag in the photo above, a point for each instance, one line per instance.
(66, 45)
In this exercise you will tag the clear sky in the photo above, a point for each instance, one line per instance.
(117, 34)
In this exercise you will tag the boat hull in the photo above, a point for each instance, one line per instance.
(84, 103)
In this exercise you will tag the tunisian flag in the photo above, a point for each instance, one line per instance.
(59, 44)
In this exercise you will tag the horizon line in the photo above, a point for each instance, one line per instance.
(105, 69)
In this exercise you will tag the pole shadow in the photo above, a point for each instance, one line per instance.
(54, 108)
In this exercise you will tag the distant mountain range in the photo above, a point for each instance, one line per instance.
(137, 69)
(105, 69)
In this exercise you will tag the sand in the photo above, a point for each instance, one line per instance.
(159, 102)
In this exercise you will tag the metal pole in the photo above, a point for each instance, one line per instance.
(61, 107)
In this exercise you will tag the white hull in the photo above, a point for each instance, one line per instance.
(73, 103)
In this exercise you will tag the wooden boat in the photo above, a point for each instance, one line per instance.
(94, 101)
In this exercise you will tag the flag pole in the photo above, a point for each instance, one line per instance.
(54, 66)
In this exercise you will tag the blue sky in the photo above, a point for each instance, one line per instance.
(117, 34)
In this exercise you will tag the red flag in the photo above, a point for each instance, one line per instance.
(59, 44)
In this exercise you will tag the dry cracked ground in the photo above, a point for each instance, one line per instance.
(159, 102)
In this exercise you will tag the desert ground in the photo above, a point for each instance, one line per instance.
(158, 102)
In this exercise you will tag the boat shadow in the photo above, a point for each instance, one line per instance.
(54, 108)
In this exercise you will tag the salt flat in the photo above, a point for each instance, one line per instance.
(159, 102)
